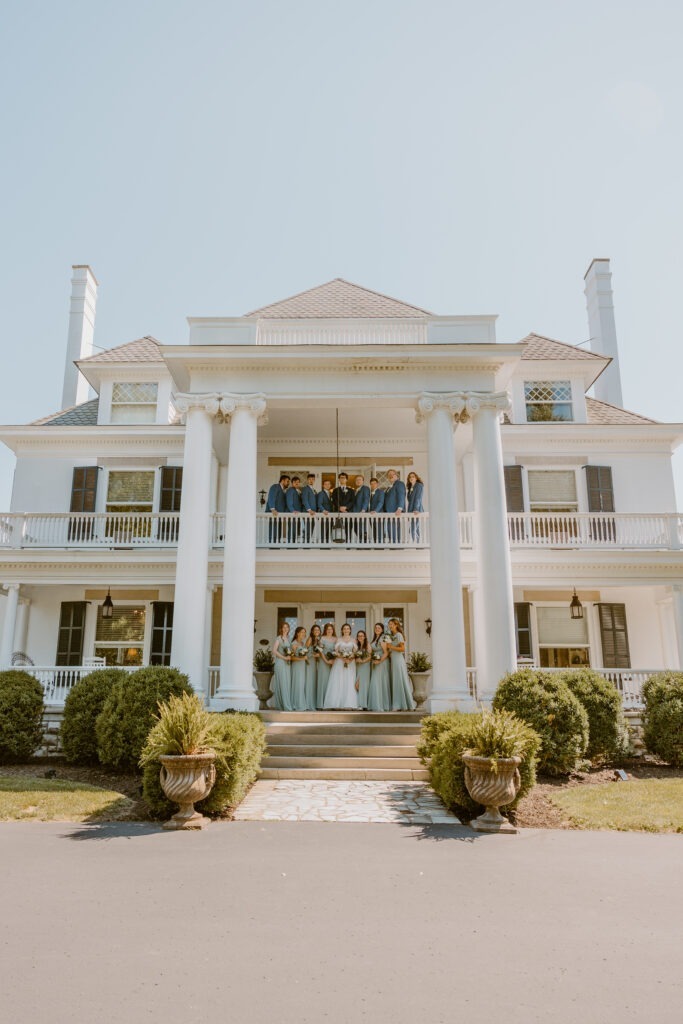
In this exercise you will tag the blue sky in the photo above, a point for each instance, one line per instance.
(209, 157)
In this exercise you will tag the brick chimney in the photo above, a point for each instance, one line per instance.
(81, 332)
(602, 329)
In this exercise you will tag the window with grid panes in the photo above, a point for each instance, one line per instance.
(548, 401)
(120, 639)
(134, 402)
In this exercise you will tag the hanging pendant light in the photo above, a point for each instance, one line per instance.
(338, 532)
(108, 606)
(575, 607)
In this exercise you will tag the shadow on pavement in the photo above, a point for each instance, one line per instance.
(442, 833)
(112, 830)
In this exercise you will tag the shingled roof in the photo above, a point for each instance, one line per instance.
(84, 415)
(338, 299)
(537, 346)
(605, 413)
(142, 350)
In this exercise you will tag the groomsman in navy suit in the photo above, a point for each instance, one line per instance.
(395, 502)
(325, 506)
(276, 503)
(342, 498)
(309, 500)
(295, 505)
(376, 506)
(361, 504)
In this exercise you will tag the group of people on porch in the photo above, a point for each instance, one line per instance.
(321, 671)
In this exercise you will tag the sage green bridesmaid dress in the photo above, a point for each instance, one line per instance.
(311, 681)
(401, 689)
(363, 670)
(282, 685)
(298, 682)
(327, 643)
(379, 690)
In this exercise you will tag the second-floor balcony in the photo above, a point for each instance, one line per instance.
(144, 530)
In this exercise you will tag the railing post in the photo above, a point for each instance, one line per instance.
(674, 534)
(17, 532)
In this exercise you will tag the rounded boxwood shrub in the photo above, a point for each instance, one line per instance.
(444, 739)
(608, 737)
(663, 716)
(21, 716)
(82, 706)
(547, 704)
(240, 745)
(128, 713)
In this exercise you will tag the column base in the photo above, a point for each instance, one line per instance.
(234, 702)
(450, 702)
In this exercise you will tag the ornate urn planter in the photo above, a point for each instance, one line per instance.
(263, 690)
(420, 683)
(185, 779)
(493, 789)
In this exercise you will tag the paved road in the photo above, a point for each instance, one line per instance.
(308, 923)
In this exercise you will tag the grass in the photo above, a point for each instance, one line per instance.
(31, 799)
(641, 805)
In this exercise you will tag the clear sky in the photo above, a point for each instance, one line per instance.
(209, 157)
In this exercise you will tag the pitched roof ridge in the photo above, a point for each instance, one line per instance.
(63, 412)
(334, 280)
(565, 344)
(118, 348)
(619, 408)
(383, 295)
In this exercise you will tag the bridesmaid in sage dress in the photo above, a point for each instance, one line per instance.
(312, 668)
(327, 643)
(363, 669)
(282, 677)
(299, 660)
(401, 690)
(379, 691)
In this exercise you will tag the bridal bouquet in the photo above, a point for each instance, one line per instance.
(287, 650)
(301, 652)
(377, 655)
(317, 649)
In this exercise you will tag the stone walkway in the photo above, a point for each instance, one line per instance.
(409, 803)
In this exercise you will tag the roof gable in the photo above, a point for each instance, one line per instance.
(83, 415)
(537, 346)
(142, 350)
(606, 413)
(338, 299)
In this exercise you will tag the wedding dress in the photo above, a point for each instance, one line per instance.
(341, 687)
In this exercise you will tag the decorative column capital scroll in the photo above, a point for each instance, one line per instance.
(462, 404)
(208, 401)
(255, 403)
(430, 401)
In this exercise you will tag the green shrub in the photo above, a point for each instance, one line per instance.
(129, 711)
(547, 704)
(239, 740)
(608, 736)
(445, 738)
(21, 716)
(663, 716)
(264, 660)
(81, 708)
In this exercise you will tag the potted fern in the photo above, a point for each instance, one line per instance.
(420, 672)
(500, 741)
(182, 740)
(264, 666)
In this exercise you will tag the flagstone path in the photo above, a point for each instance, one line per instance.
(408, 803)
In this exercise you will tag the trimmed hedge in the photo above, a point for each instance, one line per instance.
(82, 706)
(663, 716)
(547, 704)
(21, 716)
(444, 739)
(240, 749)
(129, 711)
(608, 736)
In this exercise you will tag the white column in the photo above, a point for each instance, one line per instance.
(494, 609)
(9, 625)
(449, 686)
(239, 565)
(21, 635)
(188, 651)
(678, 620)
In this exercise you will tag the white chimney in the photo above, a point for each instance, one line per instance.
(81, 332)
(602, 329)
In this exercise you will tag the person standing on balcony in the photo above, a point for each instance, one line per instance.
(395, 503)
(342, 500)
(401, 689)
(282, 674)
(275, 504)
(414, 495)
(376, 506)
(294, 506)
(361, 505)
(299, 663)
(309, 500)
(325, 506)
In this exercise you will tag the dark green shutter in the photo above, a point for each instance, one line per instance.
(162, 633)
(171, 488)
(84, 489)
(600, 489)
(614, 636)
(523, 629)
(71, 632)
(514, 493)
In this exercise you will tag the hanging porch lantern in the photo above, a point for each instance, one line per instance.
(575, 607)
(108, 606)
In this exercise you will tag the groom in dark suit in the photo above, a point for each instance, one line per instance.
(276, 503)
(395, 503)
(342, 496)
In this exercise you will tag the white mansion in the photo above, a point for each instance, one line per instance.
(137, 532)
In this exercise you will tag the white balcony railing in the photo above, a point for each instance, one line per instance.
(58, 680)
(89, 529)
(628, 681)
(595, 530)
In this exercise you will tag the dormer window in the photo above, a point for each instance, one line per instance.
(548, 401)
(134, 402)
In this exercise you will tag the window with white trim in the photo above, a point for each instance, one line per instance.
(548, 401)
(552, 490)
(120, 640)
(130, 490)
(133, 402)
(562, 640)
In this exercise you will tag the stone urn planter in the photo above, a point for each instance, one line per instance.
(263, 690)
(186, 779)
(420, 683)
(492, 788)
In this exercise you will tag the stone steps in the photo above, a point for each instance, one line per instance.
(348, 774)
(340, 750)
(351, 717)
(339, 763)
(342, 733)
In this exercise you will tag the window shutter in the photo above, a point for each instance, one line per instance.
(614, 636)
(171, 488)
(514, 493)
(71, 631)
(523, 629)
(162, 633)
(84, 489)
(600, 489)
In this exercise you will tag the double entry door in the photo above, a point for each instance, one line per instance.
(356, 613)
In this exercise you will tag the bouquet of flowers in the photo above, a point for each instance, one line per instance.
(301, 652)
(317, 649)
(287, 650)
(377, 654)
(388, 638)
(359, 655)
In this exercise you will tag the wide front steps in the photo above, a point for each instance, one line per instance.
(343, 745)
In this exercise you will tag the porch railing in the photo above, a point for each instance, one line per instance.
(89, 529)
(58, 680)
(628, 682)
(595, 530)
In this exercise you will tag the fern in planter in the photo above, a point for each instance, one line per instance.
(502, 735)
(183, 726)
(264, 661)
(419, 662)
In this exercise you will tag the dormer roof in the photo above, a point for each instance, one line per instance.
(339, 299)
(142, 350)
(605, 413)
(540, 347)
(83, 415)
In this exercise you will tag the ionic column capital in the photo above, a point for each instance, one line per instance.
(493, 401)
(461, 404)
(255, 404)
(429, 401)
(208, 402)
(12, 586)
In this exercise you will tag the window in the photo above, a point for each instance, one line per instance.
(552, 490)
(130, 491)
(134, 403)
(562, 641)
(70, 636)
(162, 633)
(395, 613)
(548, 401)
(357, 620)
(523, 629)
(323, 617)
(614, 636)
(290, 615)
(120, 640)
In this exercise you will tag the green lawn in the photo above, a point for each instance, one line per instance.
(29, 799)
(645, 805)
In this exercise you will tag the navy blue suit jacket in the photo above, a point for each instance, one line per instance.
(324, 501)
(415, 498)
(294, 503)
(361, 500)
(309, 499)
(395, 497)
(377, 500)
(277, 499)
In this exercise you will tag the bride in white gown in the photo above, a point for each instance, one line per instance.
(341, 688)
